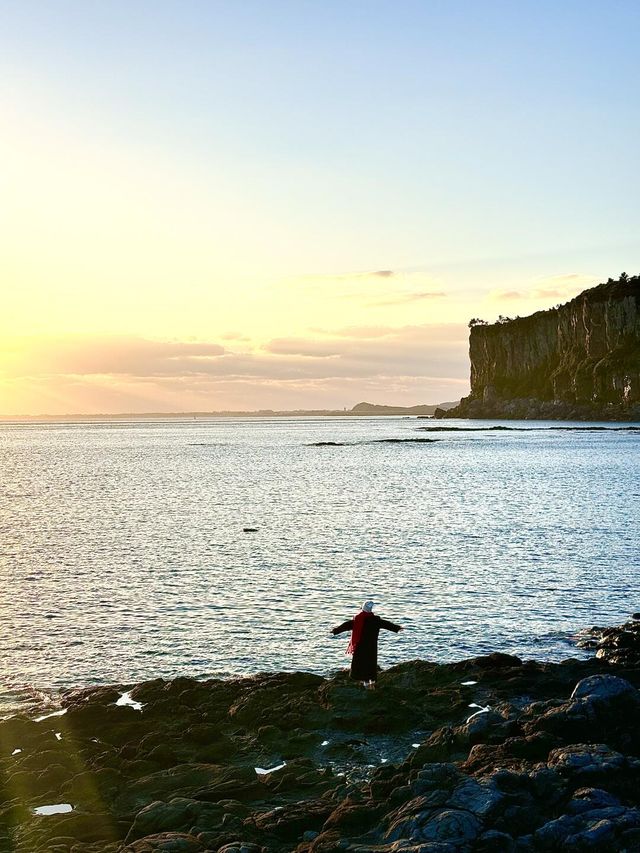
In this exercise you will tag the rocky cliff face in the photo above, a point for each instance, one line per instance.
(580, 360)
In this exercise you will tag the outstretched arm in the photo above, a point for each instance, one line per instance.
(346, 626)
(390, 626)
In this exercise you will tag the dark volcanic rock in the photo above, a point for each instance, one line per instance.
(525, 757)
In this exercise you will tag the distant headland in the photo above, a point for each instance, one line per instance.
(577, 361)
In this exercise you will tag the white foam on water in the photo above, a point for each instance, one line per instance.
(52, 714)
(16, 751)
(58, 808)
(383, 760)
(262, 771)
(126, 699)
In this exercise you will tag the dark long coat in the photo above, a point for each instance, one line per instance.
(364, 663)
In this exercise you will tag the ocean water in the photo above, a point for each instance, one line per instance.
(123, 554)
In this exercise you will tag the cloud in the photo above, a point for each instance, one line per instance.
(499, 295)
(404, 298)
(550, 293)
(235, 336)
(571, 276)
(365, 331)
(379, 288)
(301, 346)
(564, 286)
(428, 350)
(404, 365)
(110, 355)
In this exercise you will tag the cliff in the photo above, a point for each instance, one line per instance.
(580, 360)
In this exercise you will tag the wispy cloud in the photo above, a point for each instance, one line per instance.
(404, 298)
(499, 295)
(302, 346)
(403, 364)
(563, 286)
(110, 355)
(406, 351)
(377, 289)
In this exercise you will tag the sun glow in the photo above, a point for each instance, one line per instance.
(329, 256)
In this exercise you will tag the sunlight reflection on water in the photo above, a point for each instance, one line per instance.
(123, 554)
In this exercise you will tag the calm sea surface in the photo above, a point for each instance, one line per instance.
(123, 556)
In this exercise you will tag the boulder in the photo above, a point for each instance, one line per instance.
(588, 761)
(607, 689)
(482, 798)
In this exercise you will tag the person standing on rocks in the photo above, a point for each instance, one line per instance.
(365, 627)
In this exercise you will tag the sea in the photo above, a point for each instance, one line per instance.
(215, 547)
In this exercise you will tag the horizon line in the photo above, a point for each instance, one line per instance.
(226, 412)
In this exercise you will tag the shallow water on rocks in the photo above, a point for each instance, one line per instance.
(216, 547)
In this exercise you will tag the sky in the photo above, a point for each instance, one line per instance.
(210, 205)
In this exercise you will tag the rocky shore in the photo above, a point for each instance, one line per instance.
(492, 407)
(489, 754)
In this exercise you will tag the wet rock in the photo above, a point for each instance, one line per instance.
(607, 691)
(203, 781)
(496, 660)
(547, 786)
(442, 745)
(283, 700)
(291, 821)
(481, 798)
(493, 841)
(444, 775)
(488, 727)
(179, 814)
(587, 761)
(620, 644)
(594, 830)
(515, 753)
(166, 842)
(588, 799)
(451, 825)
(351, 818)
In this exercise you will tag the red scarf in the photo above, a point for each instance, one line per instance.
(356, 631)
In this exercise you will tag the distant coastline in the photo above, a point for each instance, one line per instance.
(359, 410)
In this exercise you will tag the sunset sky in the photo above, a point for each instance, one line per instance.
(266, 204)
